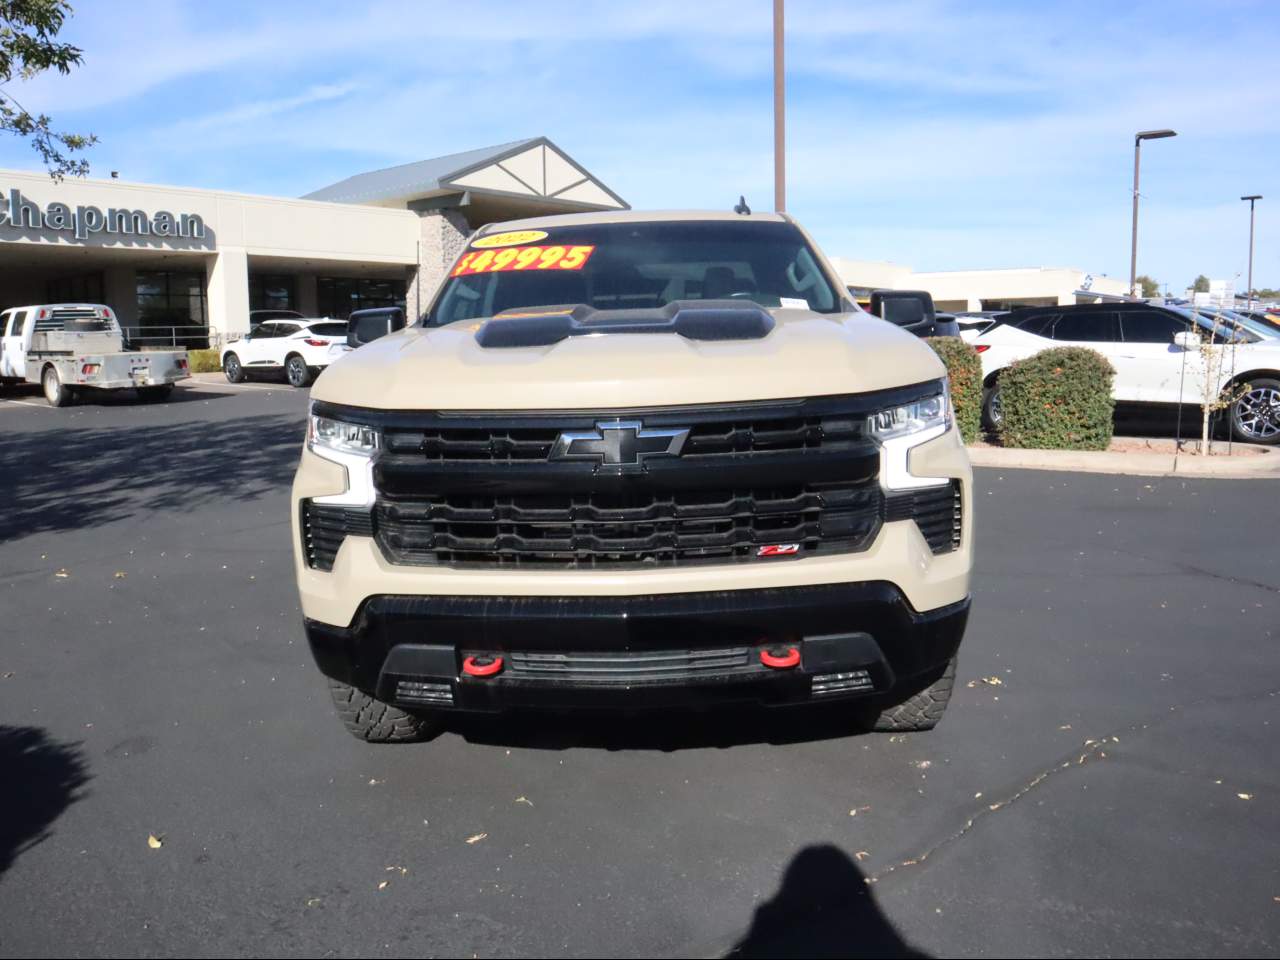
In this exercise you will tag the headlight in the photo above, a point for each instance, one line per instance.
(899, 429)
(342, 437)
(915, 417)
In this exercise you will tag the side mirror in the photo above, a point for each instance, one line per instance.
(910, 309)
(1187, 340)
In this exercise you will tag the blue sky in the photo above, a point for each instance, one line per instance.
(935, 134)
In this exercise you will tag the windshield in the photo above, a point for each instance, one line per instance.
(618, 266)
(1221, 318)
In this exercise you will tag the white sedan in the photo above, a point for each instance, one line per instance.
(299, 348)
(1155, 350)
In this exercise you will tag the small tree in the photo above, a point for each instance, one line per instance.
(1148, 286)
(28, 47)
(1201, 285)
(1217, 354)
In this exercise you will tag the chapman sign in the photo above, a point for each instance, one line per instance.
(83, 221)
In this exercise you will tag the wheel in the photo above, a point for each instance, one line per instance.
(55, 391)
(1255, 415)
(154, 394)
(296, 371)
(992, 414)
(232, 368)
(922, 709)
(377, 722)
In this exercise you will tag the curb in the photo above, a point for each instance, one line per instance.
(1132, 464)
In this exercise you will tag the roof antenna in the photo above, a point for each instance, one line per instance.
(741, 208)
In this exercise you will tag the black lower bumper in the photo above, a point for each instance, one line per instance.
(689, 649)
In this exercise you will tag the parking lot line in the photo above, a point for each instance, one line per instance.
(26, 403)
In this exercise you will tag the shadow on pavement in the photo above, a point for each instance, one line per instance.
(664, 730)
(41, 778)
(60, 478)
(824, 908)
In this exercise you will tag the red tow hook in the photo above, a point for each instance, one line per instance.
(779, 659)
(481, 666)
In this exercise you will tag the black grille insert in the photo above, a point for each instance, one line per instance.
(655, 666)
(937, 511)
(324, 527)
(627, 528)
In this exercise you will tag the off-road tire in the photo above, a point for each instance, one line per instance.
(233, 369)
(377, 722)
(57, 393)
(920, 711)
(296, 371)
(154, 394)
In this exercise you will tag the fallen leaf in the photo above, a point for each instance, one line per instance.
(993, 681)
(401, 870)
(524, 800)
(154, 842)
(476, 838)
(120, 574)
(861, 855)
(978, 795)
(62, 574)
(1245, 796)
(374, 782)
(383, 884)
(923, 764)
(1065, 726)
(312, 901)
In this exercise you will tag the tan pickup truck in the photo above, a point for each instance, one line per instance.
(635, 460)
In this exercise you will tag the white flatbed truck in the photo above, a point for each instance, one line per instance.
(73, 347)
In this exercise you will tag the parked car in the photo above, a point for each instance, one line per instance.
(365, 326)
(1155, 352)
(298, 348)
(972, 323)
(73, 348)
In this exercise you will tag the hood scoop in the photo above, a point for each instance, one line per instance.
(692, 319)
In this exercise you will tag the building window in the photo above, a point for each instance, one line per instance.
(84, 288)
(338, 296)
(171, 310)
(272, 291)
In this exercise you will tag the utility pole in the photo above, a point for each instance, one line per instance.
(779, 112)
(1252, 200)
(1137, 153)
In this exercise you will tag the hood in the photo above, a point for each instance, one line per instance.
(806, 354)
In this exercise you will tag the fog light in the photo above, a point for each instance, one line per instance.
(849, 681)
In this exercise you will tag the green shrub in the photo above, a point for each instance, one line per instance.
(204, 361)
(1059, 399)
(965, 372)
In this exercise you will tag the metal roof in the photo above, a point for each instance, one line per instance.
(534, 168)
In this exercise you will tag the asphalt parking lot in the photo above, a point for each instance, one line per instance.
(1106, 782)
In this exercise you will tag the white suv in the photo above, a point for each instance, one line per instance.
(301, 348)
(1155, 350)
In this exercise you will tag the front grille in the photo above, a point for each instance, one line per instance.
(798, 477)
(325, 527)
(626, 529)
(937, 511)
(623, 667)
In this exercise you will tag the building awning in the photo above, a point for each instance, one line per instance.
(533, 170)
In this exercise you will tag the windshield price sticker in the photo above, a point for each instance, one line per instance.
(523, 258)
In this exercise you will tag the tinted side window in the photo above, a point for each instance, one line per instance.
(20, 322)
(1091, 327)
(1039, 324)
(286, 329)
(263, 331)
(1149, 326)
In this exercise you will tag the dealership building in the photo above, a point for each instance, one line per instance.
(182, 263)
(179, 264)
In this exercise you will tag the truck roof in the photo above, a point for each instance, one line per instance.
(630, 216)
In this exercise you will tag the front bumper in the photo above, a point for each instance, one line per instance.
(630, 652)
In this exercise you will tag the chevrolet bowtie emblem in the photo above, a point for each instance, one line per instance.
(624, 444)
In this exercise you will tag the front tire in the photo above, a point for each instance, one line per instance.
(232, 368)
(1255, 415)
(55, 391)
(922, 709)
(296, 371)
(373, 721)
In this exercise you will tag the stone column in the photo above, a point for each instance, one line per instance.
(228, 291)
(442, 234)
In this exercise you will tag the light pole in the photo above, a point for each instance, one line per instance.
(1137, 152)
(1252, 200)
(779, 113)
